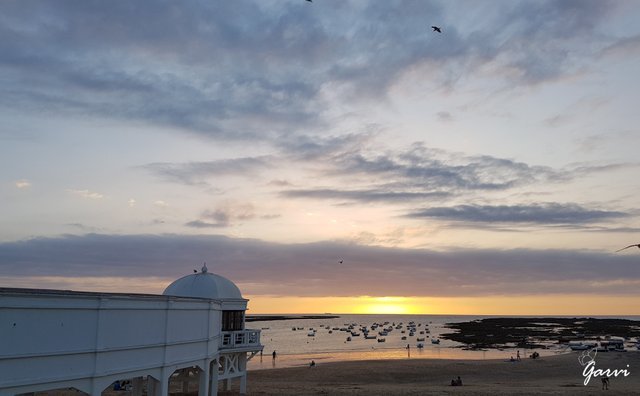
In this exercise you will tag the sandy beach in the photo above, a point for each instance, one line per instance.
(561, 374)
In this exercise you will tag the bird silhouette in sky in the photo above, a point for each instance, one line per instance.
(436, 29)
(636, 245)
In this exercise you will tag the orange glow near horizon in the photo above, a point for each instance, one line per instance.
(486, 305)
(549, 304)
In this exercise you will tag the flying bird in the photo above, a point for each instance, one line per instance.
(637, 245)
(436, 29)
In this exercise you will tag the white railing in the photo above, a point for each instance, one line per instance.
(240, 339)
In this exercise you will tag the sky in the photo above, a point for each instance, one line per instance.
(487, 169)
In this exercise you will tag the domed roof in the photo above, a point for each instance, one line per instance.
(204, 285)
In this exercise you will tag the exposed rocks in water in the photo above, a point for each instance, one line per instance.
(536, 332)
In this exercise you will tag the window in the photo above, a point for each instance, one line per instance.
(232, 320)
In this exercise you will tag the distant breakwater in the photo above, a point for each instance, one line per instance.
(265, 318)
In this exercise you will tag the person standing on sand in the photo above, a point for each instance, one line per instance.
(605, 383)
(274, 355)
(518, 355)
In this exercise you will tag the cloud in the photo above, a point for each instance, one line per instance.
(224, 216)
(23, 183)
(549, 213)
(197, 173)
(160, 203)
(283, 63)
(444, 116)
(86, 194)
(363, 195)
(263, 268)
(417, 172)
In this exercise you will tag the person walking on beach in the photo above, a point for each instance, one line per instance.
(518, 356)
(312, 364)
(605, 383)
(274, 355)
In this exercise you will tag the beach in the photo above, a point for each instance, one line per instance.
(560, 374)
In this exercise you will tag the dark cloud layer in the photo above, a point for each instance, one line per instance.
(313, 269)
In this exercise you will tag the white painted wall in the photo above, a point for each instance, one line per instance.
(51, 339)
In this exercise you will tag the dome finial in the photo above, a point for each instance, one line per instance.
(204, 268)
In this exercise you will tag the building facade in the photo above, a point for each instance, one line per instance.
(193, 332)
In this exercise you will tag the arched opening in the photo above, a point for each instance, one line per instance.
(185, 381)
(56, 392)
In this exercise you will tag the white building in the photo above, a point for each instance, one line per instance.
(53, 339)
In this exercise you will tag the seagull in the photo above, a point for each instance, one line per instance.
(637, 245)
(195, 271)
(436, 29)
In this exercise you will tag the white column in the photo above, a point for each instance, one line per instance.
(213, 385)
(163, 388)
(242, 366)
(203, 390)
(96, 388)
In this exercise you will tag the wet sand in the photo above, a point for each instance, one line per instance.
(561, 374)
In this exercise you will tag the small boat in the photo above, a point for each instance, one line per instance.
(435, 341)
(348, 338)
(370, 337)
(403, 338)
(311, 334)
(381, 339)
(420, 345)
(330, 331)
(579, 347)
(293, 328)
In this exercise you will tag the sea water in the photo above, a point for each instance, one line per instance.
(295, 347)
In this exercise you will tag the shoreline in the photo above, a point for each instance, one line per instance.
(560, 374)
(395, 354)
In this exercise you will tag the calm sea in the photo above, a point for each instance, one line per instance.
(295, 348)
